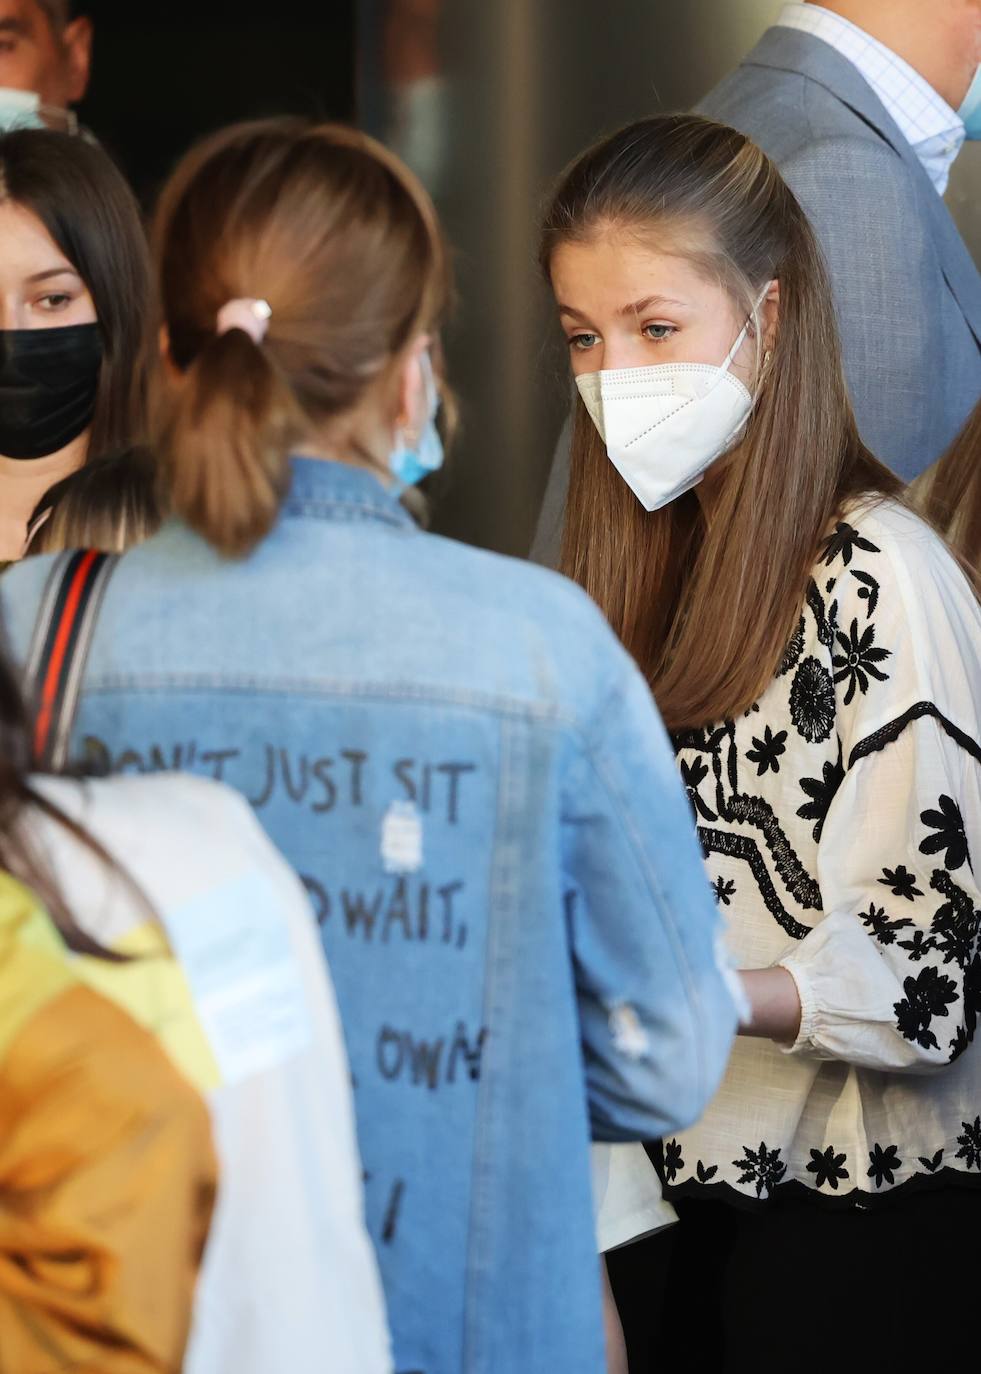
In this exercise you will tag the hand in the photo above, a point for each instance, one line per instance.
(775, 1002)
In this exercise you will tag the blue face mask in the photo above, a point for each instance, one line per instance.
(410, 464)
(23, 110)
(970, 110)
(19, 110)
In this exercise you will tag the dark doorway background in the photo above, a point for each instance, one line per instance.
(164, 75)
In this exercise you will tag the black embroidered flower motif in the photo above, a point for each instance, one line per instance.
(793, 650)
(868, 591)
(884, 1164)
(767, 751)
(929, 994)
(705, 1175)
(856, 664)
(881, 926)
(843, 542)
(762, 1167)
(822, 793)
(970, 1143)
(919, 945)
(932, 1165)
(812, 701)
(672, 1160)
(693, 775)
(957, 923)
(827, 1167)
(948, 823)
(901, 882)
(724, 891)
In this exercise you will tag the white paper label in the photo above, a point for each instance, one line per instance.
(401, 838)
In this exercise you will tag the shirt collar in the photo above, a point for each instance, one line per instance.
(933, 130)
(321, 485)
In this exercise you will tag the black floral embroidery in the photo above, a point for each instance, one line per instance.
(724, 891)
(793, 650)
(856, 664)
(704, 1175)
(929, 994)
(868, 591)
(825, 619)
(812, 701)
(970, 1143)
(693, 775)
(932, 1165)
(884, 1164)
(672, 1160)
(762, 1167)
(767, 751)
(843, 542)
(948, 823)
(901, 882)
(881, 926)
(822, 793)
(919, 945)
(972, 1008)
(827, 1167)
(955, 925)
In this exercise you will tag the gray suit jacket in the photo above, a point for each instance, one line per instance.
(907, 290)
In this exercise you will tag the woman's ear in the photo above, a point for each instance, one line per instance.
(412, 386)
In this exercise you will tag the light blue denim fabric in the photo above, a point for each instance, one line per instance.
(544, 969)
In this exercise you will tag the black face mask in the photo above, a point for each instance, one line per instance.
(48, 384)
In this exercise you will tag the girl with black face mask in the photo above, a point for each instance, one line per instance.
(74, 292)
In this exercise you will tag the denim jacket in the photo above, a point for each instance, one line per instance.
(468, 772)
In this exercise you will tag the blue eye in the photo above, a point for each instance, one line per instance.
(657, 333)
(583, 341)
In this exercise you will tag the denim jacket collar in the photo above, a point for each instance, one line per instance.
(327, 490)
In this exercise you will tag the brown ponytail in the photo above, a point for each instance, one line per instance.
(227, 440)
(343, 243)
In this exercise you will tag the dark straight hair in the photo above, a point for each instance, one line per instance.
(76, 191)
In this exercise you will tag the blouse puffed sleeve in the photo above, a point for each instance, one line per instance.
(890, 978)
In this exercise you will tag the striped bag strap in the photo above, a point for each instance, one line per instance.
(59, 648)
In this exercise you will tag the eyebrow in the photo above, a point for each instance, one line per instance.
(635, 308)
(19, 28)
(51, 272)
(638, 307)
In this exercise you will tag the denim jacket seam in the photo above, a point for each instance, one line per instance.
(325, 508)
(594, 757)
(546, 713)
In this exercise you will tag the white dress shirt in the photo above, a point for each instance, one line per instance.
(933, 130)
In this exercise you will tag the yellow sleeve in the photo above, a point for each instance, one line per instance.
(107, 1180)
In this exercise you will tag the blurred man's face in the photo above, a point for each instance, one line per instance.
(36, 57)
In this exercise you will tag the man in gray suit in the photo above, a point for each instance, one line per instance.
(856, 101)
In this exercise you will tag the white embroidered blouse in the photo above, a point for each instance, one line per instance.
(841, 824)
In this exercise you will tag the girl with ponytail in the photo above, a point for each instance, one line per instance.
(816, 651)
(458, 757)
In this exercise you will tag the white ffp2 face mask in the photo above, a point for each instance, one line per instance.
(664, 426)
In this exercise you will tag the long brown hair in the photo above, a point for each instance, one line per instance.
(707, 610)
(82, 199)
(949, 495)
(342, 242)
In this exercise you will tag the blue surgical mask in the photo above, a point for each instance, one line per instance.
(23, 110)
(19, 110)
(410, 463)
(970, 110)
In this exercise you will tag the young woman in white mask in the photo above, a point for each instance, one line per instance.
(816, 651)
